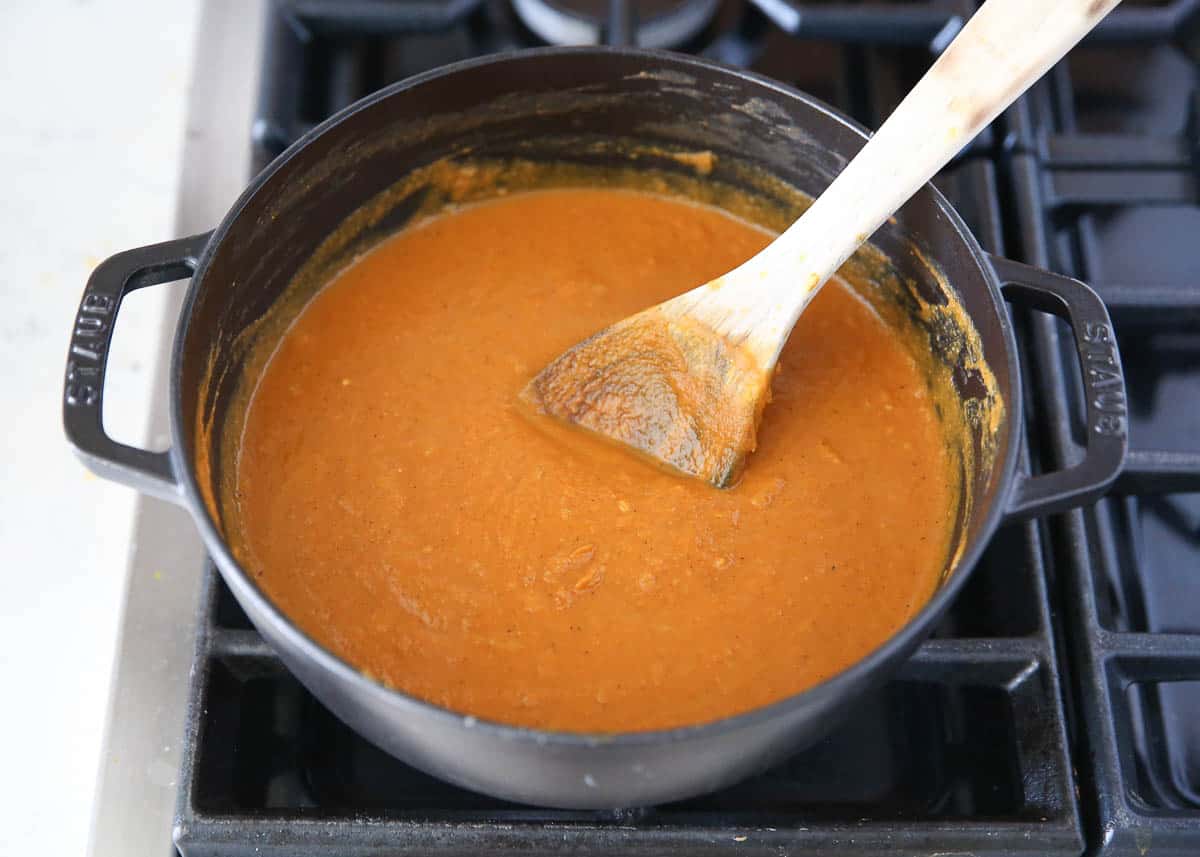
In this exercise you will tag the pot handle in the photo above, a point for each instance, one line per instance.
(1103, 385)
(87, 361)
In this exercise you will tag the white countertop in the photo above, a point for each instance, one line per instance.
(92, 114)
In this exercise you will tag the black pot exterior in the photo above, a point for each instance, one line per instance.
(557, 770)
(544, 104)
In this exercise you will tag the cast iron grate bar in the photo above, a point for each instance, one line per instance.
(1159, 471)
(931, 24)
(621, 30)
(937, 23)
(1153, 657)
(1129, 104)
(1148, 305)
(1126, 779)
(1130, 151)
(1148, 22)
(380, 17)
(1128, 562)
(382, 837)
(1115, 186)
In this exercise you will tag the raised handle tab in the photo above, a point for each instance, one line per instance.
(87, 362)
(1103, 385)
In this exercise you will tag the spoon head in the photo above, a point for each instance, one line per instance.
(667, 386)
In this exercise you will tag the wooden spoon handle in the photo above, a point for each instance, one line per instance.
(1002, 50)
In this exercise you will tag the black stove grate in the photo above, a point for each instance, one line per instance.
(972, 748)
(964, 751)
(1125, 217)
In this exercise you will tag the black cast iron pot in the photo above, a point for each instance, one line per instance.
(543, 104)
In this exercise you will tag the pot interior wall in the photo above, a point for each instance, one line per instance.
(585, 110)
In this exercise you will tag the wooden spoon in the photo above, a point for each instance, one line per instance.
(686, 381)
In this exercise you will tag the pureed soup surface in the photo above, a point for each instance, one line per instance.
(402, 508)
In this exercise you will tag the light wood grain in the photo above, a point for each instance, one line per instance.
(1004, 48)
(722, 339)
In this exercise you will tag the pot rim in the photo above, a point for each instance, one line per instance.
(832, 687)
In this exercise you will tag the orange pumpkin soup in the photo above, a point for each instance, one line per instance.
(400, 505)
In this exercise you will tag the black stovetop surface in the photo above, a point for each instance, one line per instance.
(1057, 708)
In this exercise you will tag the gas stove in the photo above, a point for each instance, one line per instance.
(1057, 708)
